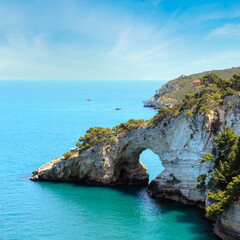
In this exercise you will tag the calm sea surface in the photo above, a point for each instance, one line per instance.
(40, 120)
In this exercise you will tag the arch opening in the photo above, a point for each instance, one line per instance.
(152, 162)
(137, 166)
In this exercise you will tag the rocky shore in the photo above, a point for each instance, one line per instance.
(180, 144)
(161, 98)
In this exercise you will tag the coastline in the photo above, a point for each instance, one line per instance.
(178, 142)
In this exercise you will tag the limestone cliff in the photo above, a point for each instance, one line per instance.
(228, 226)
(161, 98)
(179, 142)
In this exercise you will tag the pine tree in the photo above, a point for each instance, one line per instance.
(226, 178)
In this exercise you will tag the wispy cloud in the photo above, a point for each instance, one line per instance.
(228, 30)
(219, 60)
(154, 2)
(82, 40)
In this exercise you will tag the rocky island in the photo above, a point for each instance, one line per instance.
(185, 137)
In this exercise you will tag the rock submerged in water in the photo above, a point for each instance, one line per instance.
(180, 145)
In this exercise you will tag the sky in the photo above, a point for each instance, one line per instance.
(116, 39)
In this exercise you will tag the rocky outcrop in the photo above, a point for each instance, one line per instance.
(160, 99)
(228, 226)
(97, 166)
(180, 144)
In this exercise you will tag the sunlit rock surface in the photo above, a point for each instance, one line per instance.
(180, 144)
(159, 99)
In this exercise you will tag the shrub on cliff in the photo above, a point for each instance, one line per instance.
(93, 136)
(235, 82)
(202, 184)
(208, 101)
(129, 125)
(68, 154)
(189, 114)
(211, 78)
(210, 94)
(96, 135)
(223, 198)
(226, 179)
(163, 113)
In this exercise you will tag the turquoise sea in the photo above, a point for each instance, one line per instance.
(40, 120)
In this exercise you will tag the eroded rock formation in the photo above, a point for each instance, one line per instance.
(180, 144)
(160, 99)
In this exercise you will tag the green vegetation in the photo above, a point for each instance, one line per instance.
(207, 157)
(129, 125)
(93, 136)
(222, 198)
(213, 89)
(202, 182)
(185, 83)
(189, 114)
(225, 182)
(68, 154)
(163, 113)
(211, 92)
(98, 135)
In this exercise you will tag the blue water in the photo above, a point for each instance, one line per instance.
(40, 120)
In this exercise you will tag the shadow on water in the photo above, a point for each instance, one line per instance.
(190, 216)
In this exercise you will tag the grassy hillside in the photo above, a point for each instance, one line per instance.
(184, 83)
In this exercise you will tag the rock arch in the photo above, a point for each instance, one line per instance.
(179, 143)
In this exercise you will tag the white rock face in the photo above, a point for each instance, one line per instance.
(159, 99)
(151, 103)
(162, 101)
(228, 226)
(180, 144)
